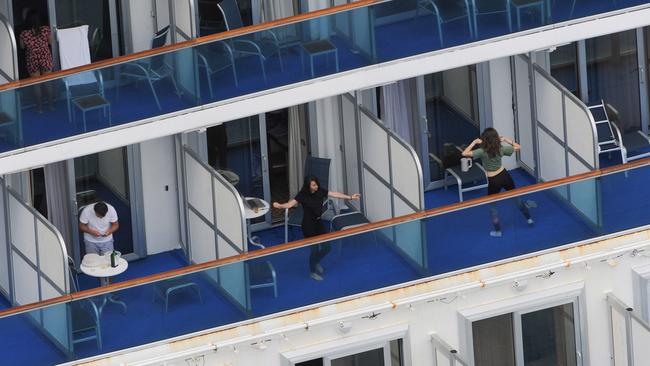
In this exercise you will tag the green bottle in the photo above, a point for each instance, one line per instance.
(113, 264)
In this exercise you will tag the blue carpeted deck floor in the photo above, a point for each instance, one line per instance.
(453, 241)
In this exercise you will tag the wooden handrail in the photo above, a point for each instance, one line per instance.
(190, 43)
(329, 236)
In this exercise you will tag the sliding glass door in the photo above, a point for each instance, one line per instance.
(452, 115)
(252, 153)
(239, 151)
(613, 77)
(107, 177)
(547, 335)
(101, 16)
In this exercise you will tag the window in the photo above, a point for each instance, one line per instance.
(534, 337)
(379, 347)
(386, 354)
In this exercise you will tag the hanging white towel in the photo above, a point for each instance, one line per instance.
(74, 51)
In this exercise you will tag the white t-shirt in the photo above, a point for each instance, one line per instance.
(89, 217)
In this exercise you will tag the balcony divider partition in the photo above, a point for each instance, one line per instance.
(34, 266)
(558, 135)
(387, 172)
(216, 227)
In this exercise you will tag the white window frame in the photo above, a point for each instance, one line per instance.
(523, 304)
(352, 344)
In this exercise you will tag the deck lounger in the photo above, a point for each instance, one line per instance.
(348, 219)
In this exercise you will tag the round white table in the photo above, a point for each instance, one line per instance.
(104, 271)
(253, 214)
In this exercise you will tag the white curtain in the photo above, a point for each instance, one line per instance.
(297, 148)
(58, 200)
(396, 108)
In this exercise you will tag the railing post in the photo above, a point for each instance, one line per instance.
(628, 335)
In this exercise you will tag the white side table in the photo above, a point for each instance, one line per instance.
(253, 214)
(104, 272)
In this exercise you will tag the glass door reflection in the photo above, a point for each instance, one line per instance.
(613, 76)
(452, 114)
(103, 37)
(549, 336)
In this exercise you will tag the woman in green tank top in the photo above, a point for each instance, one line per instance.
(491, 151)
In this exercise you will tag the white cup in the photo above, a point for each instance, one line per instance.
(465, 164)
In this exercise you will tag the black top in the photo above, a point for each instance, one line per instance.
(312, 207)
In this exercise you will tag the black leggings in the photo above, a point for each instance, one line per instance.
(318, 251)
(501, 181)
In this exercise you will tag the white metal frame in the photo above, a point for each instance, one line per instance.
(523, 304)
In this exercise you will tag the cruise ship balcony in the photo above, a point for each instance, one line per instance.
(367, 259)
(153, 93)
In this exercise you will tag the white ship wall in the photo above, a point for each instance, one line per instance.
(443, 306)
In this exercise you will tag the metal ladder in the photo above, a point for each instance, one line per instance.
(609, 136)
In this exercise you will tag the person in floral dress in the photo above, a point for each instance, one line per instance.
(36, 40)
